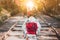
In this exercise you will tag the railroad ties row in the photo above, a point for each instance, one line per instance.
(16, 32)
(47, 33)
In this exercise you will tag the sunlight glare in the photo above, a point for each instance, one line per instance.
(30, 5)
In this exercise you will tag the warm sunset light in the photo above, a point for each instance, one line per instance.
(29, 5)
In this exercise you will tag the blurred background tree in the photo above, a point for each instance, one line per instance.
(48, 7)
(10, 6)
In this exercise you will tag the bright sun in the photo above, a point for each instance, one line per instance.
(29, 5)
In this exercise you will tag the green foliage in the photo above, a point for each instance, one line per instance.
(3, 17)
(0, 9)
(1, 22)
(14, 12)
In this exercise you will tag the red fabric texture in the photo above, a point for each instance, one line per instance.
(31, 28)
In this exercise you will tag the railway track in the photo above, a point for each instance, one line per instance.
(52, 33)
(16, 32)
